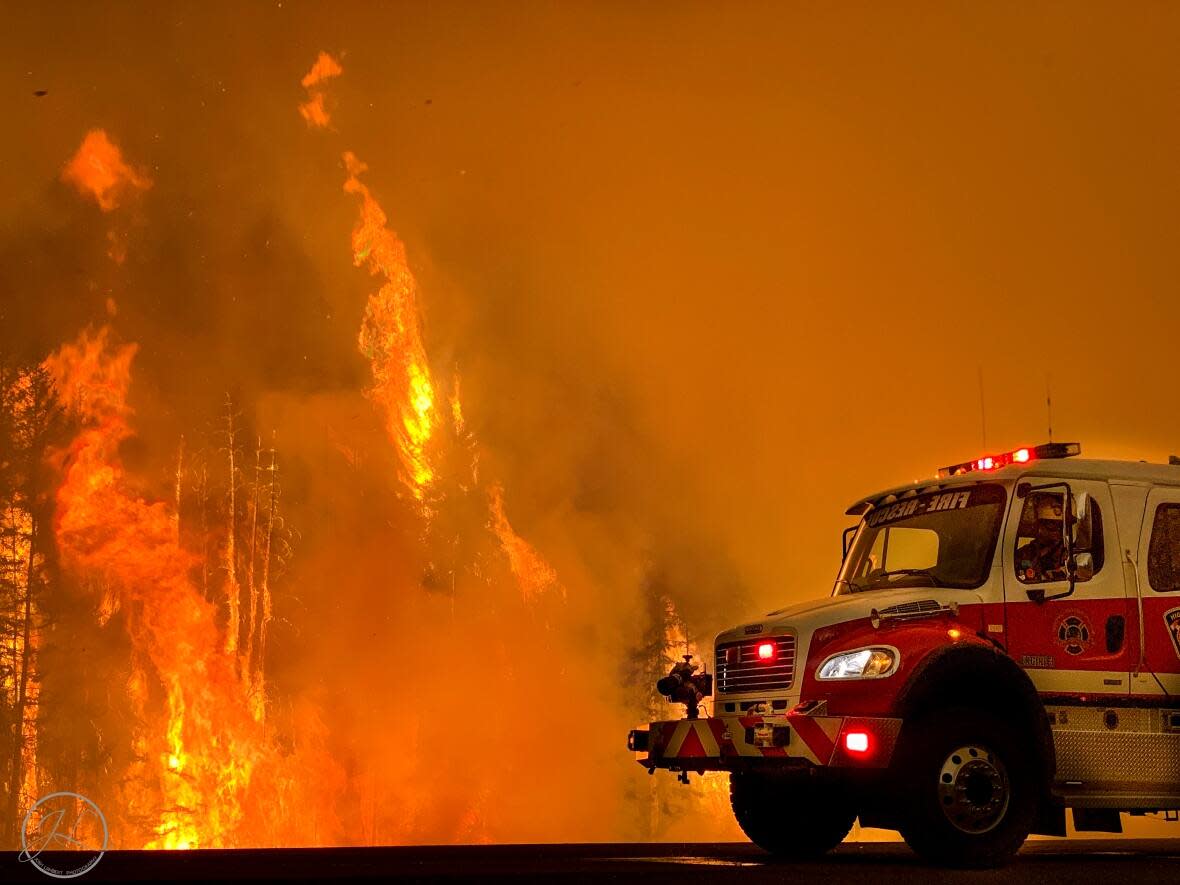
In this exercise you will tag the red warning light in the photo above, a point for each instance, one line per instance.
(1016, 456)
(857, 742)
(766, 651)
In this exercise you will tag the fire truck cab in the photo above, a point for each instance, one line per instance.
(1002, 644)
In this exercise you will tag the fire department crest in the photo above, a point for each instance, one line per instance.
(1172, 622)
(1073, 633)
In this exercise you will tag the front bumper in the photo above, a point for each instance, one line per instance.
(731, 743)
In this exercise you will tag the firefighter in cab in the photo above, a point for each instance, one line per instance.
(1040, 556)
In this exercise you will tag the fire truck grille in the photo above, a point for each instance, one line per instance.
(920, 607)
(740, 667)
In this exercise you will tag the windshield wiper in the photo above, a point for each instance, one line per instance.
(881, 578)
(907, 572)
(875, 581)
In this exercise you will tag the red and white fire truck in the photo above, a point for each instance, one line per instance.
(1002, 644)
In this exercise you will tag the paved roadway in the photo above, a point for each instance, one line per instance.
(1066, 862)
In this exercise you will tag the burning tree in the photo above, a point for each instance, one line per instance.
(198, 737)
(267, 551)
(30, 423)
(123, 673)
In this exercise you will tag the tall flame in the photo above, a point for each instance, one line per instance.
(391, 337)
(207, 744)
(403, 387)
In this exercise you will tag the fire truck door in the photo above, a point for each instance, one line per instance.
(1159, 583)
(1083, 643)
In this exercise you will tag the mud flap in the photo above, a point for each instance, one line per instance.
(1097, 820)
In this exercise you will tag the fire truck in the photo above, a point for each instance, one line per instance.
(1002, 644)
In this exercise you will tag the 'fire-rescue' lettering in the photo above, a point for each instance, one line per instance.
(925, 504)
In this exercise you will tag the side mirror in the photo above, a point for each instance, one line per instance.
(1083, 524)
(846, 540)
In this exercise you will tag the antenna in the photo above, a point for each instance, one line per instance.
(1049, 402)
(982, 414)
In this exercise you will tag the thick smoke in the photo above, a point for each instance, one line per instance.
(474, 685)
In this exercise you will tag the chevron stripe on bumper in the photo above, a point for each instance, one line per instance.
(733, 742)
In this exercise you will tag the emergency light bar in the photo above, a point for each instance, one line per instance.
(1043, 452)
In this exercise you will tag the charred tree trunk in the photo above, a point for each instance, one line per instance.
(9, 674)
(251, 586)
(272, 517)
(19, 769)
(202, 491)
(178, 488)
(232, 590)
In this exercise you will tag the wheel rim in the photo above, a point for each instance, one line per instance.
(973, 789)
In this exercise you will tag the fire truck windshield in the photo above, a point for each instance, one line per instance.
(939, 539)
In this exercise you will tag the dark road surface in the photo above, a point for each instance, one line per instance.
(1088, 861)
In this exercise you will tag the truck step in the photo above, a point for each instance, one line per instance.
(1089, 796)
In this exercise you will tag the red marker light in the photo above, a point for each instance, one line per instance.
(766, 651)
(856, 742)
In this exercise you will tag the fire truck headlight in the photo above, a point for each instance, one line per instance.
(863, 663)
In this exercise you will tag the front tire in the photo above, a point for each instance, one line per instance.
(790, 816)
(969, 788)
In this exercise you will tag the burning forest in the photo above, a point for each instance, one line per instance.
(307, 614)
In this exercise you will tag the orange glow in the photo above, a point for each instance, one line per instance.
(954, 633)
(99, 171)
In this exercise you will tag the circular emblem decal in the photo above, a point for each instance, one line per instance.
(1073, 634)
